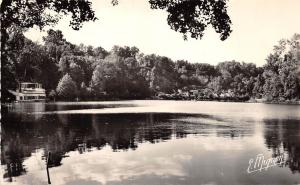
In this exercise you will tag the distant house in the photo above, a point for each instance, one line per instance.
(194, 92)
(28, 91)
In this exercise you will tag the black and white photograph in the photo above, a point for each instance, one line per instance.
(150, 92)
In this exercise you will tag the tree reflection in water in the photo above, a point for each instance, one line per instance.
(283, 136)
(23, 134)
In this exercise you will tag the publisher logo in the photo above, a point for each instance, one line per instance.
(260, 163)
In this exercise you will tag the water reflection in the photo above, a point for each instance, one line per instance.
(283, 136)
(63, 133)
(12, 155)
(26, 135)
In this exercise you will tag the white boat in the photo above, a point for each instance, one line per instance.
(28, 92)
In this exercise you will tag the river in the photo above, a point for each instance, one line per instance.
(149, 142)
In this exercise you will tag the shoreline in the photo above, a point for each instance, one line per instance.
(212, 100)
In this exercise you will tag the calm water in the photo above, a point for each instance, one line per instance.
(149, 142)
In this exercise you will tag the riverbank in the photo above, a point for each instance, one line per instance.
(283, 102)
(286, 102)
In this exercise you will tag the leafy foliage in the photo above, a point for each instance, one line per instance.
(192, 17)
(281, 72)
(26, 14)
(67, 88)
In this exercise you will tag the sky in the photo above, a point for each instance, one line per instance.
(258, 25)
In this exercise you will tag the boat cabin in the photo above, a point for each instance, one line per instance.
(28, 91)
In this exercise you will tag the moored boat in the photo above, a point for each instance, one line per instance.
(29, 92)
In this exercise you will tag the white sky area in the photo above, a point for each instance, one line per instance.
(257, 26)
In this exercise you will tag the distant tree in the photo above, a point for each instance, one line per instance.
(90, 51)
(216, 84)
(48, 75)
(56, 45)
(64, 64)
(135, 83)
(67, 88)
(281, 70)
(203, 69)
(125, 52)
(104, 80)
(146, 63)
(54, 37)
(163, 76)
(100, 52)
(273, 89)
(52, 95)
(32, 63)
(79, 67)
(9, 80)
(120, 75)
(258, 86)
(76, 73)
(84, 91)
(185, 71)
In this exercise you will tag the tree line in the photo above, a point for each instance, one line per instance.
(68, 71)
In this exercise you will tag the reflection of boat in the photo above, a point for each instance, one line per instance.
(29, 92)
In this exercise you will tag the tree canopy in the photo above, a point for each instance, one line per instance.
(192, 17)
(67, 88)
(26, 14)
